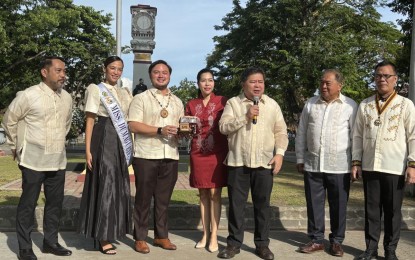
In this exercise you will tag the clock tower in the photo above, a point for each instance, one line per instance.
(143, 23)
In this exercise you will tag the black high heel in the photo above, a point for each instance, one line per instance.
(104, 251)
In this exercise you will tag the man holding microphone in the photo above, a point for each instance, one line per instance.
(252, 160)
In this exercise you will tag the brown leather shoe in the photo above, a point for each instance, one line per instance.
(141, 247)
(311, 247)
(336, 250)
(164, 243)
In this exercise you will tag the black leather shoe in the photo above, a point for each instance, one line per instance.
(264, 253)
(229, 252)
(56, 249)
(368, 255)
(26, 254)
(390, 255)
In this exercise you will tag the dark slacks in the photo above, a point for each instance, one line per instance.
(54, 183)
(260, 180)
(383, 193)
(153, 178)
(337, 186)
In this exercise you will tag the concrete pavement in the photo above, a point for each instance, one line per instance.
(283, 244)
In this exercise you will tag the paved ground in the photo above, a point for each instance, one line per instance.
(283, 244)
(73, 188)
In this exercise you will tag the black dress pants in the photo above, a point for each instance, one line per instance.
(383, 193)
(54, 183)
(260, 180)
(153, 178)
(337, 186)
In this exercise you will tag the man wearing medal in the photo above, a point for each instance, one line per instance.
(154, 119)
(383, 153)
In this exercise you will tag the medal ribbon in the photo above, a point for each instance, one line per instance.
(385, 105)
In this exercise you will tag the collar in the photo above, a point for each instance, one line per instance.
(212, 96)
(157, 91)
(48, 91)
(341, 98)
(243, 98)
(109, 86)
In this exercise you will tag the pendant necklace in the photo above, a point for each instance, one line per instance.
(163, 113)
(380, 110)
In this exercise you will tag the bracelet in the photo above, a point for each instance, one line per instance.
(411, 164)
(358, 163)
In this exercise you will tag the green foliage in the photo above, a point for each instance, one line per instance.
(294, 41)
(30, 29)
(77, 125)
(404, 7)
(186, 90)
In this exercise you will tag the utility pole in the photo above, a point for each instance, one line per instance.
(118, 29)
(411, 93)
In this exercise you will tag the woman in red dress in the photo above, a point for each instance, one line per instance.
(208, 151)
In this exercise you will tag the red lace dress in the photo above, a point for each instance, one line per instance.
(208, 147)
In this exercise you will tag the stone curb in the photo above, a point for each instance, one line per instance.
(187, 217)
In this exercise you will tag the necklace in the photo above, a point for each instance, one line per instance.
(380, 109)
(163, 113)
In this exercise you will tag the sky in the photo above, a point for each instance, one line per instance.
(183, 34)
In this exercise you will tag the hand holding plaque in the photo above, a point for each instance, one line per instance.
(188, 126)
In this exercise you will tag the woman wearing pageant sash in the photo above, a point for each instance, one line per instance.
(105, 206)
(208, 151)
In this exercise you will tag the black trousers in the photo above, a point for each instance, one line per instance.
(383, 193)
(260, 180)
(337, 186)
(54, 183)
(153, 178)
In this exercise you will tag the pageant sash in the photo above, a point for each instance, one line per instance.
(118, 120)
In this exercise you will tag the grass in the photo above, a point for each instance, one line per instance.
(288, 188)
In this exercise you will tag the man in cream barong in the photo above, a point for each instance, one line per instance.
(36, 124)
(383, 152)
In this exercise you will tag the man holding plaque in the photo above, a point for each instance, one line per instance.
(154, 118)
(383, 152)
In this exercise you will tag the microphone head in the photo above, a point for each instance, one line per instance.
(256, 100)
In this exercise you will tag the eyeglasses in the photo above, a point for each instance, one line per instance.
(386, 76)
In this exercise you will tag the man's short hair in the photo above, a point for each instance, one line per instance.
(337, 74)
(386, 63)
(152, 65)
(249, 71)
(46, 62)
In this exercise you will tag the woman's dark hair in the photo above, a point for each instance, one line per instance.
(249, 71)
(199, 74)
(152, 65)
(111, 59)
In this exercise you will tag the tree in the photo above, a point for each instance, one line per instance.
(30, 29)
(294, 40)
(404, 7)
(185, 91)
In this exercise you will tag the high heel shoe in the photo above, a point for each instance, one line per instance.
(212, 248)
(199, 245)
(104, 251)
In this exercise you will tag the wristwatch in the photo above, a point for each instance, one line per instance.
(159, 131)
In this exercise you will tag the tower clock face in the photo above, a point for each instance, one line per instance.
(144, 21)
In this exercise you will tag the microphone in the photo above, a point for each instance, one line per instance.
(256, 101)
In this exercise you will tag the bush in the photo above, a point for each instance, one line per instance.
(78, 124)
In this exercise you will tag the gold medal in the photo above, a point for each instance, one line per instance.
(377, 122)
(164, 113)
